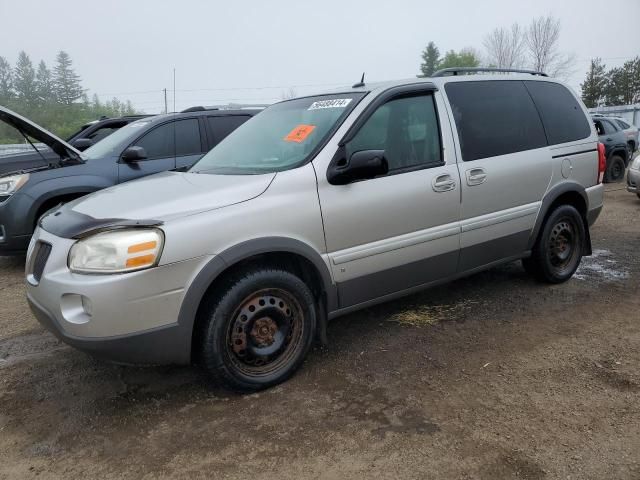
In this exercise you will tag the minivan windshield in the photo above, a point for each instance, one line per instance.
(104, 147)
(279, 138)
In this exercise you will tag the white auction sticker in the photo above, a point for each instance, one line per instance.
(335, 103)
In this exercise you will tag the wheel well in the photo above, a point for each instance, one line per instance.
(52, 202)
(570, 198)
(291, 262)
(632, 145)
(621, 152)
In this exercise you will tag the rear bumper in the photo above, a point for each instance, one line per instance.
(595, 198)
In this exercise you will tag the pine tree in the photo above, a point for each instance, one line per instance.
(6, 81)
(44, 84)
(24, 80)
(66, 82)
(430, 60)
(594, 86)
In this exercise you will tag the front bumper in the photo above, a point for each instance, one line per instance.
(633, 181)
(126, 318)
(14, 231)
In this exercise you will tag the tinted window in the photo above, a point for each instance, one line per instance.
(609, 128)
(223, 126)
(494, 118)
(188, 137)
(159, 142)
(101, 133)
(563, 117)
(406, 129)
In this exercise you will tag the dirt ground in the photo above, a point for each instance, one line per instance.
(494, 376)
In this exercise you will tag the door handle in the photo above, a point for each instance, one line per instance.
(608, 139)
(443, 183)
(476, 176)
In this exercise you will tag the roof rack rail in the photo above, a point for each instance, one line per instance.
(446, 72)
(229, 106)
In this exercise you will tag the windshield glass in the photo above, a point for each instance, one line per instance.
(279, 138)
(104, 147)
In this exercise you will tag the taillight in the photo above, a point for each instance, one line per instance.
(602, 162)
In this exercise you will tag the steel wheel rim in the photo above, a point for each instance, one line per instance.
(618, 171)
(265, 332)
(563, 244)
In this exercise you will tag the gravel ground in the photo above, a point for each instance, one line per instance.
(493, 376)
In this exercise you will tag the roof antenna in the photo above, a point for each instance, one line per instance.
(359, 84)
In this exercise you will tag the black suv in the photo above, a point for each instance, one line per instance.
(86, 136)
(616, 149)
(143, 147)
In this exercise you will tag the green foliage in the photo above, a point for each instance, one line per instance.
(618, 86)
(466, 57)
(55, 100)
(430, 60)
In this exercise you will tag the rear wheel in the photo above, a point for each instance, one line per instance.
(615, 169)
(558, 250)
(258, 330)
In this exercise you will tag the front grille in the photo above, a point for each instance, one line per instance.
(40, 257)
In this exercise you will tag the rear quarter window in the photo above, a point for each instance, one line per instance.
(494, 117)
(562, 116)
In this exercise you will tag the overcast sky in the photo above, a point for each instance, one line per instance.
(254, 51)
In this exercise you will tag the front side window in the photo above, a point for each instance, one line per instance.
(406, 129)
(177, 138)
(494, 117)
(281, 137)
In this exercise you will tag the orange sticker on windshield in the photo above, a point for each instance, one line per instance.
(300, 133)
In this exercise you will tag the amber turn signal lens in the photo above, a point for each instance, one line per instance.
(140, 261)
(142, 247)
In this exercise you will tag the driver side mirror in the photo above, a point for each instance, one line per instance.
(134, 154)
(362, 165)
(82, 143)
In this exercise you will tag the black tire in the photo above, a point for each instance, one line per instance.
(638, 195)
(257, 330)
(558, 250)
(615, 169)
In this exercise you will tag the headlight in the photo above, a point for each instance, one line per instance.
(10, 185)
(117, 251)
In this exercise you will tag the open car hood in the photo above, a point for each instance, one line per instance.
(38, 133)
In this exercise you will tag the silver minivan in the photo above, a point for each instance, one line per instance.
(316, 207)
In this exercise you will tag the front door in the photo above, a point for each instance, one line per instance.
(400, 230)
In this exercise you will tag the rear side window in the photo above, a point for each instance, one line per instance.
(188, 137)
(563, 117)
(494, 118)
(609, 127)
(223, 126)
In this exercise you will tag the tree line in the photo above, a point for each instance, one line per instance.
(536, 46)
(616, 86)
(53, 98)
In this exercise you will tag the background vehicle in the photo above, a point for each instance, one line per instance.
(616, 147)
(633, 176)
(631, 131)
(320, 206)
(143, 147)
(86, 136)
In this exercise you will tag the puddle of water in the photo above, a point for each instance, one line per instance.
(601, 266)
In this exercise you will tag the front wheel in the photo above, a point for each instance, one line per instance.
(558, 250)
(258, 330)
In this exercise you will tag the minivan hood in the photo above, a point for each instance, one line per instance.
(35, 131)
(171, 194)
